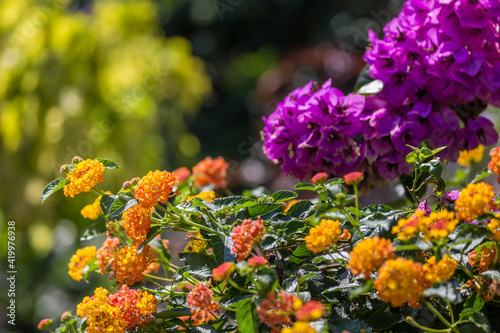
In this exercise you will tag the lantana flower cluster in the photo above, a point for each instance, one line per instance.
(116, 312)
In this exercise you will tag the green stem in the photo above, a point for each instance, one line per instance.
(439, 315)
(353, 222)
(228, 308)
(231, 282)
(452, 316)
(157, 278)
(466, 271)
(98, 190)
(356, 202)
(497, 256)
(413, 323)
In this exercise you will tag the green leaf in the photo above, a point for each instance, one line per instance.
(109, 164)
(467, 236)
(300, 208)
(203, 272)
(371, 88)
(483, 173)
(477, 318)
(283, 195)
(447, 291)
(334, 181)
(382, 320)
(305, 186)
(426, 152)
(246, 316)
(265, 280)
(92, 266)
(437, 150)
(221, 247)
(198, 259)
(232, 203)
(201, 329)
(94, 229)
(412, 157)
(173, 313)
(436, 168)
(363, 78)
(474, 301)
(53, 187)
(350, 325)
(361, 289)
(114, 205)
(264, 209)
(155, 231)
(300, 254)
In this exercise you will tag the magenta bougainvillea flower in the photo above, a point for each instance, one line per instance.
(439, 62)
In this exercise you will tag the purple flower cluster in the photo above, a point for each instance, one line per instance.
(439, 62)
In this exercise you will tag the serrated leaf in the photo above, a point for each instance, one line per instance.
(198, 259)
(155, 231)
(221, 246)
(474, 301)
(109, 164)
(350, 325)
(173, 313)
(94, 229)
(91, 266)
(202, 272)
(334, 181)
(299, 208)
(201, 329)
(303, 186)
(447, 291)
(481, 174)
(300, 254)
(283, 195)
(53, 187)
(265, 280)
(467, 236)
(372, 88)
(114, 205)
(232, 203)
(361, 289)
(246, 316)
(264, 209)
(382, 320)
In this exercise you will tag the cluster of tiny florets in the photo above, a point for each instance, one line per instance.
(468, 157)
(400, 280)
(129, 265)
(323, 236)
(85, 175)
(369, 254)
(437, 225)
(201, 301)
(106, 253)
(93, 210)
(475, 200)
(117, 312)
(245, 236)
(483, 260)
(211, 172)
(439, 271)
(79, 261)
(155, 186)
(204, 195)
(276, 309)
(137, 222)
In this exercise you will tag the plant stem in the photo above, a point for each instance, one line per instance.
(413, 323)
(353, 222)
(157, 278)
(231, 282)
(228, 308)
(439, 315)
(356, 194)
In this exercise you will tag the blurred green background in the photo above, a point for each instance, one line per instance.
(151, 85)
